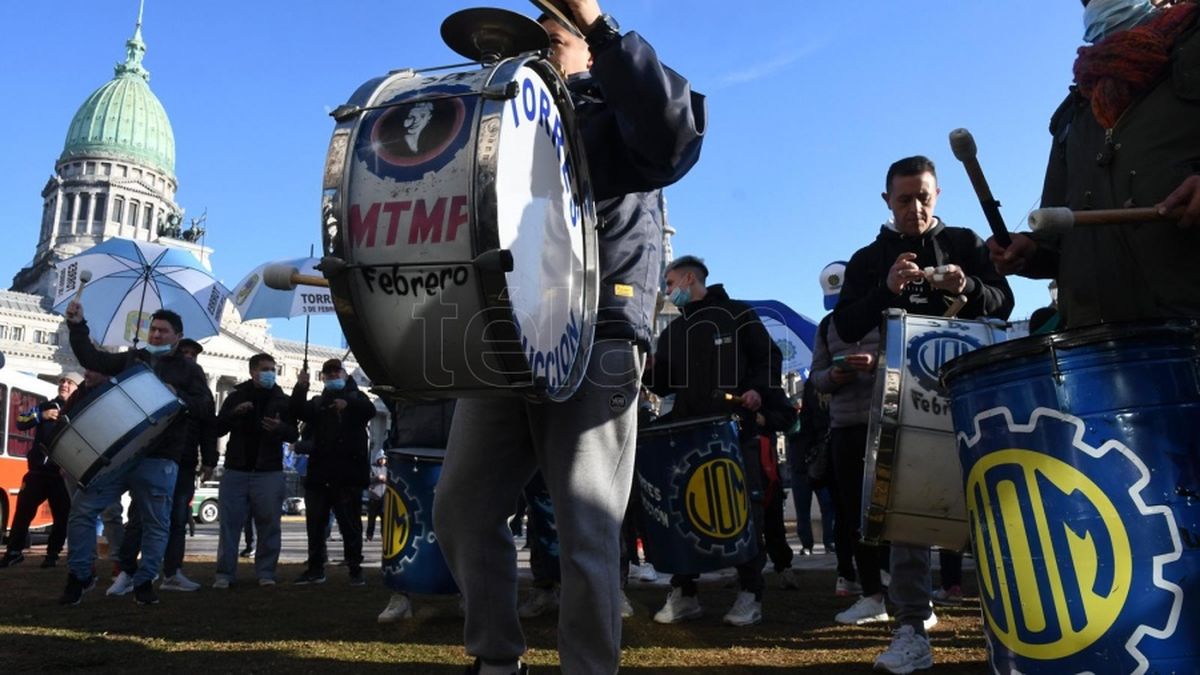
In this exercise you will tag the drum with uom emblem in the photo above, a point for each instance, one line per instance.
(412, 560)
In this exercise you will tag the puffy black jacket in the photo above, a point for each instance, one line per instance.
(422, 424)
(865, 295)
(1140, 270)
(642, 127)
(186, 377)
(717, 346)
(250, 447)
(338, 456)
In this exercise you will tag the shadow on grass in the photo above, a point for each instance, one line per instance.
(332, 628)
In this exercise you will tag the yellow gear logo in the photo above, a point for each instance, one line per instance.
(716, 500)
(1077, 592)
(397, 523)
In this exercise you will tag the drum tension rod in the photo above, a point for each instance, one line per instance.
(1057, 373)
(501, 92)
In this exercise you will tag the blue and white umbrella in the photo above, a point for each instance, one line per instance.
(130, 280)
(255, 300)
(794, 333)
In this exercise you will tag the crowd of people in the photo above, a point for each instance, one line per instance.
(1127, 135)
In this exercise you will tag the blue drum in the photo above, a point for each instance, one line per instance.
(695, 500)
(1081, 464)
(412, 559)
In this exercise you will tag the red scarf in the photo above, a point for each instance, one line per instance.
(1120, 68)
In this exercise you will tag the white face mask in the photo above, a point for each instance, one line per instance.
(1102, 18)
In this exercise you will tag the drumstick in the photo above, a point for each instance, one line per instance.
(1061, 219)
(287, 278)
(729, 398)
(955, 307)
(84, 277)
(963, 145)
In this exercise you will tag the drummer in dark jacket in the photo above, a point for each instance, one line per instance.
(338, 469)
(717, 348)
(43, 481)
(642, 127)
(149, 479)
(258, 419)
(920, 265)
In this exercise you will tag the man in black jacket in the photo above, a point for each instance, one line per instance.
(718, 346)
(201, 446)
(150, 479)
(257, 417)
(43, 481)
(922, 266)
(338, 470)
(642, 127)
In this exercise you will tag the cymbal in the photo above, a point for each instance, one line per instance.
(488, 34)
(559, 10)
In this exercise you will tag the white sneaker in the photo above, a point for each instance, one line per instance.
(538, 602)
(931, 621)
(908, 652)
(867, 610)
(647, 573)
(679, 607)
(626, 608)
(846, 588)
(121, 585)
(220, 583)
(399, 607)
(266, 581)
(178, 582)
(788, 579)
(885, 578)
(746, 611)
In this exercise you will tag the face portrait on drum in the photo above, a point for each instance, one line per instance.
(414, 123)
(911, 200)
(568, 53)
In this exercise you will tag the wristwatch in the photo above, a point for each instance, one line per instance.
(605, 30)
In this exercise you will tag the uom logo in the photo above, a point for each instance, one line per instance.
(397, 524)
(716, 499)
(1070, 557)
(928, 351)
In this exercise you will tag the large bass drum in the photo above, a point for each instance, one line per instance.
(460, 233)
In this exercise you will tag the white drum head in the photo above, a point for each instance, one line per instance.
(540, 221)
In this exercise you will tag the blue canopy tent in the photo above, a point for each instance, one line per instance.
(794, 333)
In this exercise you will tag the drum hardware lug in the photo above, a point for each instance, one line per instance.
(331, 266)
(403, 72)
(500, 92)
(495, 260)
(1056, 373)
(345, 112)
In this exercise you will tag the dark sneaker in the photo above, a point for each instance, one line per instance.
(518, 668)
(247, 552)
(144, 593)
(356, 577)
(12, 558)
(49, 561)
(75, 589)
(310, 577)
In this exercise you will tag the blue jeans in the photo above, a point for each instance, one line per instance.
(181, 510)
(151, 484)
(259, 494)
(802, 494)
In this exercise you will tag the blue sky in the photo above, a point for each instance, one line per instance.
(808, 103)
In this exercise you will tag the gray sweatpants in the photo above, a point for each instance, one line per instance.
(584, 448)
(911, 587)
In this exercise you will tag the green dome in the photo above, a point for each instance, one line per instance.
(124, 119)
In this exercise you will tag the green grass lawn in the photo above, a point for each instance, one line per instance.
(331, 628)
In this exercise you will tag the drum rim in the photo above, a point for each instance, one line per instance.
(1074, 338)
(694, 422)
(438, 454)
(500, 328)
